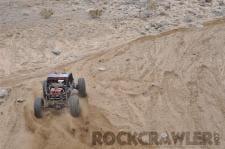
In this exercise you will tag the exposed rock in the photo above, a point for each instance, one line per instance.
(101, 69)
(143, 33)
(20, 100)
(46, 13)
(56, 51)
(217, 12)
(208, 1)
(147, 27)
(4, 92)
(95, 13)
(156, 25)
(221, 3)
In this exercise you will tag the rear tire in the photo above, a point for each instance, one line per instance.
(74, 106)
(38, 107)
(82, 87)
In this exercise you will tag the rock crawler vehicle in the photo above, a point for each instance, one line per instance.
(59, 91)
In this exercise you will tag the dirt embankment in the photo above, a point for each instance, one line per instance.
(174, 81)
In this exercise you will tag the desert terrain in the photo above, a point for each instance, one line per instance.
(149, 66)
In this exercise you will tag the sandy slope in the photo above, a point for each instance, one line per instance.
(27, 39)
(172, 81)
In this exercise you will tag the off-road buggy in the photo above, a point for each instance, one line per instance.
(59, 91)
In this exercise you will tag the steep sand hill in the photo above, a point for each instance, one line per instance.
(172, 81)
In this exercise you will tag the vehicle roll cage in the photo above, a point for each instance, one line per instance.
(67, 77)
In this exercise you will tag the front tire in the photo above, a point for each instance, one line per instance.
(82, 87)
(38, 107)
(74, 106)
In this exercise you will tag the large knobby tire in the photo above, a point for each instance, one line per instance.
(74, 106)
(82, 87)
(38, 107)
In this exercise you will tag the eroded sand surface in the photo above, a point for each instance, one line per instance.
(173, 81)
